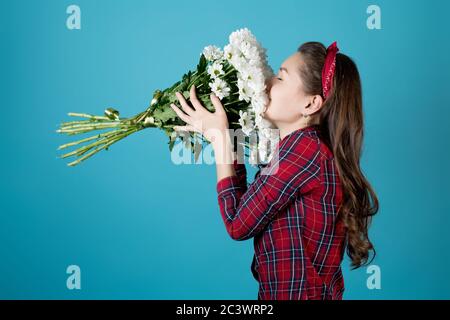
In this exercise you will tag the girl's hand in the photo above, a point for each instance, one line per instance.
(212, 125)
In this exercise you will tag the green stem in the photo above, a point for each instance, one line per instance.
(232, 102)
(85, 115)
(227, 73)
(80, 151)
(89, 124)
(86, 129)
(97, 136)
(90, 154)
(77, 122)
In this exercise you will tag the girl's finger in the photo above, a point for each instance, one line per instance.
(217, 104)
(181, 114)
(184, 104)
(194, 100)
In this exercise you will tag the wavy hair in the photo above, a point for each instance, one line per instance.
(342, 129)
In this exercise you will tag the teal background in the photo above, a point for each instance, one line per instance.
(141, 227)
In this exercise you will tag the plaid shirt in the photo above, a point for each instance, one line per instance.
(291, 213)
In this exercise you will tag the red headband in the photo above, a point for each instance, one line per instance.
(328, 69)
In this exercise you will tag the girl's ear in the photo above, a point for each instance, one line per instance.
(315, 104)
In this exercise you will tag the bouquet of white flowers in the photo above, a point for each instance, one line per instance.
(237, 75)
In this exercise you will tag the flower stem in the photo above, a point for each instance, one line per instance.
(86, 129)
(85, 115)
(97, 136)
(90, 154)
(80, 151)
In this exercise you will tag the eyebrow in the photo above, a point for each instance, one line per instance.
(284, 69)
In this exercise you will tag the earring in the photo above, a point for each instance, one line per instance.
(306, 116)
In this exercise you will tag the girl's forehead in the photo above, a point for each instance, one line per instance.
(292, 66)
(293, 60)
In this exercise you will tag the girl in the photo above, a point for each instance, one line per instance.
(316, 203)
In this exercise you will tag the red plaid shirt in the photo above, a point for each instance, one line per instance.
(291, 213)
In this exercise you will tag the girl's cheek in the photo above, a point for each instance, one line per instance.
(275, 92)
(278, 96)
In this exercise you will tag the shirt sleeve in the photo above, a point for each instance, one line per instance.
(241, 174)
(247, 210)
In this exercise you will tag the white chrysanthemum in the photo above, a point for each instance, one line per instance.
(247, 72)
(264, 146)
(264, 124)
(241, 35)
(216, 69)
(220, 88)
(246, 122)
(250, 52)
(266, 133)
(245, 92)
(259, 103)
(263, 143)
(235, 57)
(228, 52)
(249, 58)
(253, 159)
(212, 53)
(256, 77)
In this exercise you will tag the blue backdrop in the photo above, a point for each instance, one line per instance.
(139, 226)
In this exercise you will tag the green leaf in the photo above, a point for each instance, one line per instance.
(164, 114)
(173, 98)
(206, 102)
(197, 150)
(186, 80)
(171, 144)
(202, 64)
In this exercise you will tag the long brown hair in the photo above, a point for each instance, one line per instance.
(341, 126)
